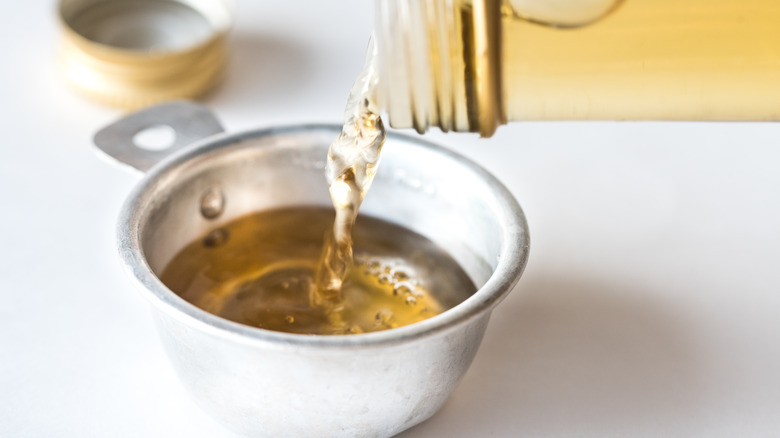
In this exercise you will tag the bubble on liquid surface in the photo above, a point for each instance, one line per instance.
(373, 267)
(354, 330)
(400, 276)
(384, 317)
(402, 289)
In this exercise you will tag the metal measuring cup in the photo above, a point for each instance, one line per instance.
(266, 383)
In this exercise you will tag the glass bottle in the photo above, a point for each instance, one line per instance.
(472, 65)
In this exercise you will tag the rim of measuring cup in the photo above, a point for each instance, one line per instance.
(511, 263)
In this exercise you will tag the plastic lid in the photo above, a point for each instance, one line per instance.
(133, 53)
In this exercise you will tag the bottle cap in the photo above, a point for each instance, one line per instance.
(133, 53)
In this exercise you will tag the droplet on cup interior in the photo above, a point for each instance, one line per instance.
(216, 238)
(212, 203)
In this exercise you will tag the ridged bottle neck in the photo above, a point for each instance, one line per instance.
(439, 64)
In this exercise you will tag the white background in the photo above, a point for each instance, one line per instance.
(650, 305)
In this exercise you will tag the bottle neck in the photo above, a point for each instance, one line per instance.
(439, 64)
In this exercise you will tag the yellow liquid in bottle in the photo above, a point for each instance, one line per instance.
(471, 65)
(648, 60)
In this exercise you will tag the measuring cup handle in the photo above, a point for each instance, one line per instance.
(189, 121)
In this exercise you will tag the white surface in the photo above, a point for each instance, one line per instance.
(650, 305)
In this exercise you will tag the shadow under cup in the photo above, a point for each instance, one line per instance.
(266, 383)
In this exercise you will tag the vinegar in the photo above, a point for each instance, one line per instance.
(648, 60)
(260, 270)
(472, 65)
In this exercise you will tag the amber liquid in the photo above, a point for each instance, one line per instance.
(648, 60)
(260, 270)
(353, 159)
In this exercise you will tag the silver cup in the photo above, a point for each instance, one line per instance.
(265, 383)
